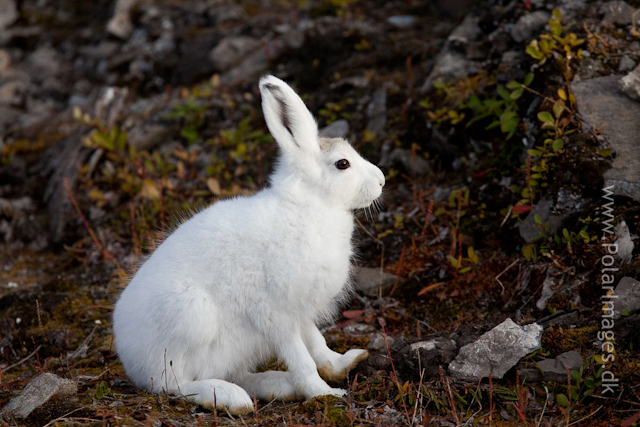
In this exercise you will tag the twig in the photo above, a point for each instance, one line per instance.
(104, 251)
(134, 235)
(52, 422)
(378, 241)
(544, 407)
(393, 368)
(588, 416)
(106, 307)
(404, 248)
(23, 360)
(504, 271)
(506, 217)
(450, 395)
(161, 208)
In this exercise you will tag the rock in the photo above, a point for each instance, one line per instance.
(496, 351)
(627, 331)
(231, 50)
(45, 61)
(558, 283)
(8, 13)
(626, 64)
(617, 12)
(402, 21)
(254, 64)
(120, 24)
(225, 12)
(371, 281)
(427, 355)
(528, 25)
(529, 230)
(38, 392)
(415, 164)
(145, 137)
(378, 343)
(599, 103)
(337, 129)
(627, 296)
(630, 84)
(468, 31)
(449, 66)
(377, 111)
(623, 242)
(5, 60)
(554, 369)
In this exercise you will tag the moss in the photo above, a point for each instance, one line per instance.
(559, 340)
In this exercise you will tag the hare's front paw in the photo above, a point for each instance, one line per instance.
(340, 367)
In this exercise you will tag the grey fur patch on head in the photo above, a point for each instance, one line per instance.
(326, 144)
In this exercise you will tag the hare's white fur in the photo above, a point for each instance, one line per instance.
(249, 278)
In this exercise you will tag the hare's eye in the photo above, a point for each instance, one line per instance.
(342, 164)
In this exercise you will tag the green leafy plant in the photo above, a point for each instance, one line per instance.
(192, 116)
(554, 44)
(503, 110)
(102, 389)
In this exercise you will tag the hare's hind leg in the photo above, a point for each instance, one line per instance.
(303, 369)
(222, 395)
(270, 385)
(332, 366)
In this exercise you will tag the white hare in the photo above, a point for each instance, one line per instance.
(249, 278)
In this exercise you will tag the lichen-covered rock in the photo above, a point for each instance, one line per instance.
(627, 296)
(630, 84)
(529, 24)
(599, 102)
(496, 351)
(38, 392)
(371, 281)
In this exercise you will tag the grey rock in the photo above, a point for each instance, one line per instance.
(617, 12)
(529, 230)
(427, 356)
(231, 50)
(630, 84)
(8, 13)
(416, 164)
(402, 21)
(558, 283)
(337, 129)
(554, 369)
(254, 64)
(623, 242)
(5, 60)
(120, 24)
(599, 103)
(527, 25)
(626, 64)
(377, 111)
(549, 287)
(294, 38)
(496, 351)
(627, 296)
(38, 392)
(45, 61)
(227, 11)
(147, 136)
(371, 281)
(378, 343)
(468, 31)
(450, 66)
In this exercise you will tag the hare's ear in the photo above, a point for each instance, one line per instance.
(288, 119)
